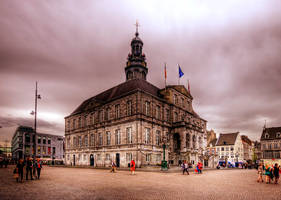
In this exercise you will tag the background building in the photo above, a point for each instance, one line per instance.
(230, 147)
(247, 148)
(5, 149)
(271, 144)
(134, 120)
(47, 145)
(211, 151)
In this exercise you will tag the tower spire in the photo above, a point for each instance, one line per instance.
(137, 28)
(136, 64)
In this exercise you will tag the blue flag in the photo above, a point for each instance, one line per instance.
(180, 72)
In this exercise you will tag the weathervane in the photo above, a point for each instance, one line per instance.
(137, 27)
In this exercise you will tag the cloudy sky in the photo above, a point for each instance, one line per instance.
(229, 50)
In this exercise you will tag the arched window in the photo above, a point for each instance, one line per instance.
(194, 141)
(187, 139)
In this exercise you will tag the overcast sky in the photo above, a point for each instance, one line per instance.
(229, 50)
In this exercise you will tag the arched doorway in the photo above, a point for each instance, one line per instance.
(177, 143)
(92, 161)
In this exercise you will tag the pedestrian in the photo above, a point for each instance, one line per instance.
(29, 168)
(34, 169)
(197, 168)
(38, 167)
(200, 167)
(185, 168)
(267, 174)
(276, 173)
(19, 168)
(16, 174)
(133, 167)
(260, 173)
(113, 167)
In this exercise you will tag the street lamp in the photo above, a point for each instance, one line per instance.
(37, 96)
(164, 164)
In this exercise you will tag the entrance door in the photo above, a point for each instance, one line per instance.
(92, 160)
(73, 160)
(118, 160)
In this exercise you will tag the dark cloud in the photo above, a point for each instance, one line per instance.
(228, 51)
(42, 125)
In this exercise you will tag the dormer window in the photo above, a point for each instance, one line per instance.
(266, 135)
(224, 142)
(278, 135)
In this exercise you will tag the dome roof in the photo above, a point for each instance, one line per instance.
(136, 39)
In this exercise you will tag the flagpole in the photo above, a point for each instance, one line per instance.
(165, 77)
(178, 75)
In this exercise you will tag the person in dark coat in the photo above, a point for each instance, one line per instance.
(29, 166)
(38, 167)
(19, 167)
(276, 169)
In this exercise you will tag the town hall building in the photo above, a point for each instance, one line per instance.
(134, 120)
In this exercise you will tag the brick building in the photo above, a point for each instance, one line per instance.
(133, 120)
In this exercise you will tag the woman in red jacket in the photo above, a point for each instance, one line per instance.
(133, 167)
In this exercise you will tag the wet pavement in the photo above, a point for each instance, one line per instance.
(79, 183)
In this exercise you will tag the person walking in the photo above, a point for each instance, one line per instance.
(267, 174)
(133, 167)
(260, 173)
(29, 168)
(200, 167)
(113, 167)
(185, 168)
(19, 168)
(276, 170)
(38, 167)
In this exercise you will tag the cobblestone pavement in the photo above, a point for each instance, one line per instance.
(75, 183)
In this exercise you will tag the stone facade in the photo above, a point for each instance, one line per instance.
(133, 120)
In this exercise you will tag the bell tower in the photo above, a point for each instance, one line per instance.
(136, 65)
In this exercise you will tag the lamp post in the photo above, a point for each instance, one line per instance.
(37, 96)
